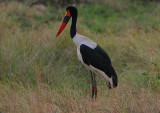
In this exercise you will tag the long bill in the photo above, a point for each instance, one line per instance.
(64, 23)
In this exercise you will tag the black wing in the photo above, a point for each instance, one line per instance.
(98, 58)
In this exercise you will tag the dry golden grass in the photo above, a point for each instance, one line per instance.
(15, 98)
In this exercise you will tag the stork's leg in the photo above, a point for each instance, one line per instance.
(94, 85)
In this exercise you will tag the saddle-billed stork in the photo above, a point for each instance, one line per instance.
(92, 56)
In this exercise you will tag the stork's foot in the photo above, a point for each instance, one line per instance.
(94, 92)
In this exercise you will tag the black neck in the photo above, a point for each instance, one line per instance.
(73, 26)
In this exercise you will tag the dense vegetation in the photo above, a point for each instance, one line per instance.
(41, 73)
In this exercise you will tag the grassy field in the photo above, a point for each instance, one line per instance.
(40, 73)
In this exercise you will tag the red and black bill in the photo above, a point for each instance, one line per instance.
(64, 23)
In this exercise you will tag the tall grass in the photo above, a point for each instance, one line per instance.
(41, 73)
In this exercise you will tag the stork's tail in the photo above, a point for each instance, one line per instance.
(115, 81)
(114, 78)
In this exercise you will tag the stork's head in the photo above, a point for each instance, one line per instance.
(71, 11)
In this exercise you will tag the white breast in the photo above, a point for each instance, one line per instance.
(80, 58)
(80, 39)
